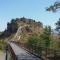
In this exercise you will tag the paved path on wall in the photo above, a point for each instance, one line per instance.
(22, 54)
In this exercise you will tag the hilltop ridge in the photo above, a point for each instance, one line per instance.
(27, 28)
(20, 29)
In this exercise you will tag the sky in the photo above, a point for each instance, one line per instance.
(34, 9)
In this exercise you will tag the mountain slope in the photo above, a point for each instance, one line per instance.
(27, 28)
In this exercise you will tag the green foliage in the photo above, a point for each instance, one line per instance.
(32, 41)
(37, 43)
(58, 30)
(34, 44)
(58, 26)
(54, 7)
(2, 44)
(46, 36)
(42, 41)
(11, 28)
(0, 33)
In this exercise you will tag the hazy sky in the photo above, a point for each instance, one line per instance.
(34, 9)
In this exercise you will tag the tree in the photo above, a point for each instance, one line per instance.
(54, 7)
(46, 36)
(12, 27)
(32, 42)
(58, 26)
(58, 30)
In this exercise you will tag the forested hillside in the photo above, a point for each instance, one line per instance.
(32, 35)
